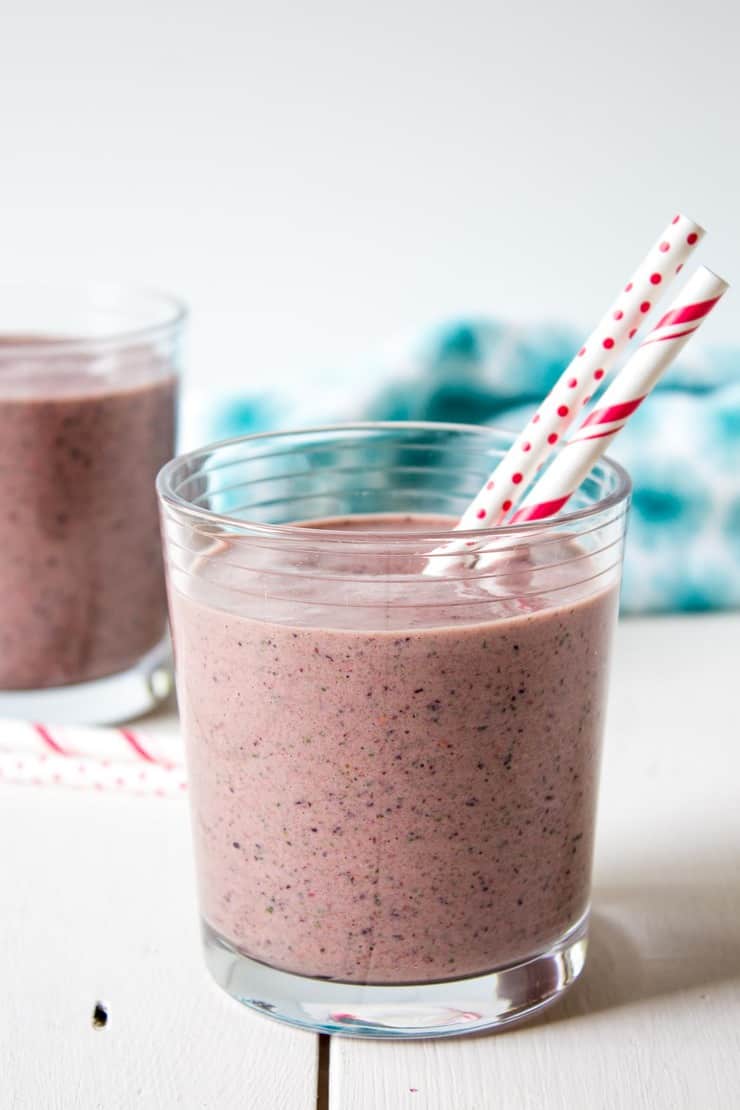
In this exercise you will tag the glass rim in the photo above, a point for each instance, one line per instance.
(99, 296)
(170, 498)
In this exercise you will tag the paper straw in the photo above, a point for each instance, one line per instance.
(120, 760)
(573, 389)
(626, 393)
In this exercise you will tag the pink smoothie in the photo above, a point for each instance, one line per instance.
(400, 795)
(80, 567)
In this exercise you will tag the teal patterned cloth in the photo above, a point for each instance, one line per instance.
(682, 448)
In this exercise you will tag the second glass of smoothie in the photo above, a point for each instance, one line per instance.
(88, 385)
(393, 775)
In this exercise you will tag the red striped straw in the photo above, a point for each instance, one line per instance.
(579, 380)
(626, 393)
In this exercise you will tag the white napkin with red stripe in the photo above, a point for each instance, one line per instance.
(119, 760)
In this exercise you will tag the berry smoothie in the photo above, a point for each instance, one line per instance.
(80, 566)
(393, 794)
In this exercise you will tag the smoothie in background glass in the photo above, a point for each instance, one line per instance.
(393, 776)
(88, 385)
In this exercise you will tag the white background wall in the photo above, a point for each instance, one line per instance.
(317, 176)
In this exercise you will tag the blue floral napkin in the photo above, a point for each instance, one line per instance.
(682, 448)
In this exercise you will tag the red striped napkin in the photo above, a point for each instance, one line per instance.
(119, 760)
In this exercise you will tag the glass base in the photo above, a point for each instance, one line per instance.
(104, 701)
(441, 1009)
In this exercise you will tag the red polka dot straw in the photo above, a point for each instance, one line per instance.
(623, 397)
(559, 409)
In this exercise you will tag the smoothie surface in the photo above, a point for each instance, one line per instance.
(393, 786)
(81, 441)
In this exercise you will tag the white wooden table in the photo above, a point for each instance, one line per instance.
(97, 903)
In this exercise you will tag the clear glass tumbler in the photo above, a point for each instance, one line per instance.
(88, 386)
(393, 774)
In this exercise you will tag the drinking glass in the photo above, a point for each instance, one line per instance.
(393, 775)
(88, 386)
